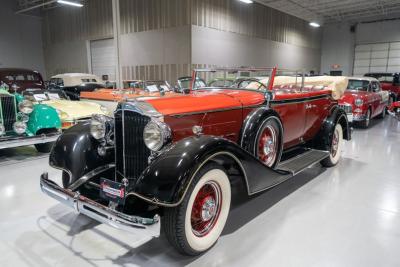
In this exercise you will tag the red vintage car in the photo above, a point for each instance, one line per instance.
(18, 80)
(172, 160)
(394, 109)
(364, 99)
(390, 82)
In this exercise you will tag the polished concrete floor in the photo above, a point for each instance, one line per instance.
(348, 215)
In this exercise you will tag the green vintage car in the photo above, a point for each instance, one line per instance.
(23, 123)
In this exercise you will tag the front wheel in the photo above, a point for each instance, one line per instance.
(336, 147)
(196, 224)
(44, 148)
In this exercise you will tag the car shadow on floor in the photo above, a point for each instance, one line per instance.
(245, 208)
(19, 154)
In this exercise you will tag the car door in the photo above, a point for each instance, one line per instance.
(376, 98)
(290, 105)
(316, 110)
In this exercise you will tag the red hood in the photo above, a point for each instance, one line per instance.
(350, 95)
(205, 101)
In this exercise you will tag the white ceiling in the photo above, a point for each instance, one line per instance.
(330, 11)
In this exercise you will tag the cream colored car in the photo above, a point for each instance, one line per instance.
(70, 112)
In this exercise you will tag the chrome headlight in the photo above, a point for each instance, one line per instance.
(19, 127)
(358, 102)
(98, 126)
(156, 134)
(2, 129)
(25, 106)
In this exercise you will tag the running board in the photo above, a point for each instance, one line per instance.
(303, 161)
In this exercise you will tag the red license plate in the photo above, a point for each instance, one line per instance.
(112, 191)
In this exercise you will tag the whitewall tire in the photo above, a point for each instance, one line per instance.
(335, 148)
(196, 224)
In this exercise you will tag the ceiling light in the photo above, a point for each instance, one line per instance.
(247, 1)
(314, 24)
(70, 3)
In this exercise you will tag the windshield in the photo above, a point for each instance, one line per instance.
(360, 85)
(256, 79)
(157, 86)
(42, 95)
(382, 77)
(20, 76)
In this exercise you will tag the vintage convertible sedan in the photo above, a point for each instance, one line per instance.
(364, 99)
(24, 123)
(70, 112)
(170, 161)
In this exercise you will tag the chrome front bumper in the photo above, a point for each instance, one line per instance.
(16, 141)
(99, 212)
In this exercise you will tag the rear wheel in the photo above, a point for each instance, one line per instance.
(44, 148)
(336, 147)
(383, 113)
(196, 224)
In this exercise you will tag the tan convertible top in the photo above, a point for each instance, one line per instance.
(337, 84)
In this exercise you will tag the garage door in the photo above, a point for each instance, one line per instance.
(103, 58)
(382, 57)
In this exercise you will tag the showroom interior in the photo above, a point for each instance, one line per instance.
(199, 132)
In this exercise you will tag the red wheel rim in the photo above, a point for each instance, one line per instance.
(335, 143)
(206, 209)
(267, 145)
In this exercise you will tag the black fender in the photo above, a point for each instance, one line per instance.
(167, 178)
(323, 139)
(75, 152)
(251, 125)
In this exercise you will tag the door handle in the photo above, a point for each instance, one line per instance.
(308, 106)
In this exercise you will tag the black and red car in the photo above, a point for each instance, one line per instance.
(172, 160)
(18, 80)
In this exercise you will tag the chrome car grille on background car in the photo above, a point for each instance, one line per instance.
(131, 152)
(347, 108)
(8, 111)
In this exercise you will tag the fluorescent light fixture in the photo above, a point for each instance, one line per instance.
(246, 1)
(314, 24)
(70, 3)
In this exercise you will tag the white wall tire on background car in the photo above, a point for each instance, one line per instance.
(335, 148)
(196, 224)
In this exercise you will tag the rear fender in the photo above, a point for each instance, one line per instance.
(323, 139)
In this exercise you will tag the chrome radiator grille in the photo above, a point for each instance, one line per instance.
(347, 108)
(8, 111)
(131, 152)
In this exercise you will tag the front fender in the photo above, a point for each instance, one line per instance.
(75, 152)
(166, 180)
(43, 117)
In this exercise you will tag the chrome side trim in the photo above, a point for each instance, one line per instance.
(27, 140)
(101, 213)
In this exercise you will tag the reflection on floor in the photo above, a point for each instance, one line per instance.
(344, 216)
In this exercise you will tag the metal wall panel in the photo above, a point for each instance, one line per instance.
(93, 21)
(254, 20)
(147, 15)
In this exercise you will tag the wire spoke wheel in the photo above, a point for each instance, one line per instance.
(267, 149)
(206, 209)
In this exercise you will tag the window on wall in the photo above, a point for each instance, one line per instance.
(382, 57)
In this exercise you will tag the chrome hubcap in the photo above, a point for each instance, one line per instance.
(335, 143)
(209, 209)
